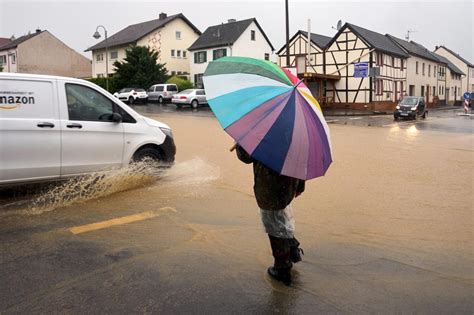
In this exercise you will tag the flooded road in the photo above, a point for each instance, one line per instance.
(388, 230)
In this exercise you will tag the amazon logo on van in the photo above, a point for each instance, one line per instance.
(16, 100)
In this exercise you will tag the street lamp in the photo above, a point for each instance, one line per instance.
(97, 36)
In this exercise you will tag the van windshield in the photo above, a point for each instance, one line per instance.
(409, 101)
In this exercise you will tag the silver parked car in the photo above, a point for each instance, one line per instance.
(192, 97)
(162, 92)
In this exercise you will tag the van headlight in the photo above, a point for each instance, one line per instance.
(167, 132)
(413, 108)
(398, 107)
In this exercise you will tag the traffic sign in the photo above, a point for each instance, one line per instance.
(361, 70)
(467, 95)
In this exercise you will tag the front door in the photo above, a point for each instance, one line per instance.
(90, 140)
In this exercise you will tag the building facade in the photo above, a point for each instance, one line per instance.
(43, 53)
(170, 36)
(235, 38)
(467, 80)
(424, 77)
(453, 82)
(386, 61)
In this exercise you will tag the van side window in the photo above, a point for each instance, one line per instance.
(86, 104)
(172, 88)
(159, 88)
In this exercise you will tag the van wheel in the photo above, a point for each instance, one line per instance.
(160, 100)
(146, 154)
(194, 104)
(131, 100)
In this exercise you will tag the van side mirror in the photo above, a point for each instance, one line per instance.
(116, 118)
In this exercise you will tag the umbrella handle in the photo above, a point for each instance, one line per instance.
(233, 147)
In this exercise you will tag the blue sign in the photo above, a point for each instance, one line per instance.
(361, 70)
(467, 95)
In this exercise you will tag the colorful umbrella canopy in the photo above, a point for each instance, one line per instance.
(271, 114)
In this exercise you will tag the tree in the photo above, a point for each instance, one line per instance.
(139, 68)
(182, 84)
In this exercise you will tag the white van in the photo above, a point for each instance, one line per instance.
(55, 127)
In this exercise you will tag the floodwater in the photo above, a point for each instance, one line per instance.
(389, 229)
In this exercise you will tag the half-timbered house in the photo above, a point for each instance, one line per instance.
(312, 68)
(386, 61)
(422, 72)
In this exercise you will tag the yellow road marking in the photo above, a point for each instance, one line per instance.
(119, 221)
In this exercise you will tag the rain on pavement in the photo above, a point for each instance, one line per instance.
(387, 230)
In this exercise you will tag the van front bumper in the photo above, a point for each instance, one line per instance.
(168, 149)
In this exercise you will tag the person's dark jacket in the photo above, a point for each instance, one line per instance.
(272, 190)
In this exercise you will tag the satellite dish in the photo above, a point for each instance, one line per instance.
(339, 25)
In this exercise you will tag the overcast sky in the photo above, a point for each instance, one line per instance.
(448, 23)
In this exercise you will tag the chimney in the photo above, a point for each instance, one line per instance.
(38, 30)
(231, 20)
(163, 16)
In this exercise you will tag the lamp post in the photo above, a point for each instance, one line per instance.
(97, 36)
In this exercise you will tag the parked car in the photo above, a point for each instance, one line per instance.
(411, 107)
(132, 95)
(192, 97)
(162, 92)
(56, 127)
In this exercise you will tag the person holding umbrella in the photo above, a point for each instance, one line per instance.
(274, 193)
(279, 127)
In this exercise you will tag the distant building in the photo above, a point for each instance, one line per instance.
(43, 53)
(453, 89)
(170, 36)
(243, 38)
(425, 72)
(298, 51)
(467, 81)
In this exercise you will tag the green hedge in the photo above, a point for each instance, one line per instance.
(182, 83)
(102, 83)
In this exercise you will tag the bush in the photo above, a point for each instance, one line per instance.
(182, 84)
(102, 83)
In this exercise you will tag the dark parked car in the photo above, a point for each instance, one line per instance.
(411, 107)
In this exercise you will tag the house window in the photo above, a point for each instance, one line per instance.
(423, 69)
(393, 61)
(3, 60)
(113, 55)
(429, 70)
(198, 80)
(252, 35)
(184, 53)
(219, 53)
(379, 86)
(178, 35)
(434, 71)
(178, 53)
(402, 65)
(173, 72)
(99, 57)
(172, 53)
(200, 57)
(416, 67)
(267, 56)
(100, 75)
(380, 59)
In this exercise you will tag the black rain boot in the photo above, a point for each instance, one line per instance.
(281, 269)
(295, 251)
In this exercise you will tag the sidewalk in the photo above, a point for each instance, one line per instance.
(361, 112)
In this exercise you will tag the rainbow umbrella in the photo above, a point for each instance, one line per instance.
(271, 114)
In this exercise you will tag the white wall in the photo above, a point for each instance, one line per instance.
(243, 46)
(429, 78)
(467, 81)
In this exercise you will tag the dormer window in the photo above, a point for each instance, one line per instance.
(252, 35)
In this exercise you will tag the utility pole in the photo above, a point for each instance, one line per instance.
(287, 36)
